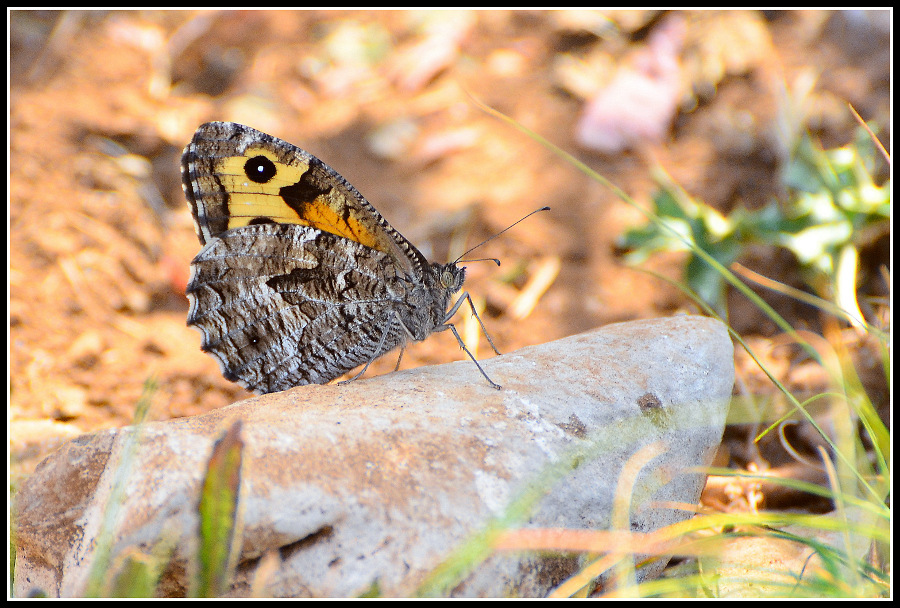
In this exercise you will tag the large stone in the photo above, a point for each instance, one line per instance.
(377, 482)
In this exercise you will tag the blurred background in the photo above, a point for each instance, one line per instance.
(717, 119)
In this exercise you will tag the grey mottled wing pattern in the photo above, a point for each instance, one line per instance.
(281, 305)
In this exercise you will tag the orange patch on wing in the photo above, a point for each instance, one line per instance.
(321, 214)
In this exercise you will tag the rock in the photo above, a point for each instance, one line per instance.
(373, 484)
(31, 440)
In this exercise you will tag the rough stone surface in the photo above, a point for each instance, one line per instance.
(379, 480)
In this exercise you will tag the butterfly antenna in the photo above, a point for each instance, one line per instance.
(495, 236)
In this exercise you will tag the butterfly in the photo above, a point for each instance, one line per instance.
(300, 279)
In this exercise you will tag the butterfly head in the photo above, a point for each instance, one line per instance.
(451, 276)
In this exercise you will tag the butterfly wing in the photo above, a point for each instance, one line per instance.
(236, 176)
(283, 305)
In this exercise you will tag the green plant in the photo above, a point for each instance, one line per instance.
(833, 207)
(220, 530)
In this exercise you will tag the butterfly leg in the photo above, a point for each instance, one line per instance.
(466, 297)
(462, 345)
(400, 356)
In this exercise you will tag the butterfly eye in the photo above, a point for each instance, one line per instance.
(260, 169)
(452, 278)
